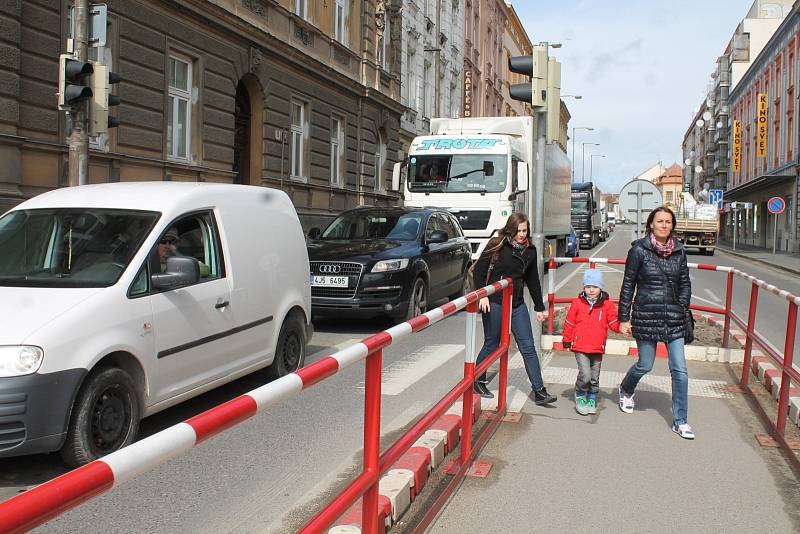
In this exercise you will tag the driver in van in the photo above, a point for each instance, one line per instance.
(168, 247)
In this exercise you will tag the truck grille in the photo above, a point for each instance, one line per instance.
(351, 270)
(473, 219)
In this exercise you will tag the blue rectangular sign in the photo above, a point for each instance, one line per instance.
(715, 197)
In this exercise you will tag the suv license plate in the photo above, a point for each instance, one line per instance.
(329, 281)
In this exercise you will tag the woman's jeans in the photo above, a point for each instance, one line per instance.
(677, 368)
(523, 333)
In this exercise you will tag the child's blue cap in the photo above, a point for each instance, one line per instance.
(593, 277)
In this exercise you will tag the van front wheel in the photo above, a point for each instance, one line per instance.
(104, 419)
(290, 351)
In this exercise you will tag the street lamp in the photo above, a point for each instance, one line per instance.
(583, 159)
(576, 97)
(587, 128)
(591, 160)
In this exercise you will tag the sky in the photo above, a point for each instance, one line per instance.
(642, 68)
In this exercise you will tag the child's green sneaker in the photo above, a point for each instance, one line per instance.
(591, 406)
(581, 405)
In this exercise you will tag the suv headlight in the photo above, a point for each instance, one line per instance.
(387, 266)
(20, 360)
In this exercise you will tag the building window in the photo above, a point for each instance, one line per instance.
(301, 9)
(179, 108)
(669, 197)
(337, 150)
(299, 137)
(380, 160)
(340, 27)
(426, 84)
(383, 47)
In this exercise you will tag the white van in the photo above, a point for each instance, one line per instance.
(121, 300)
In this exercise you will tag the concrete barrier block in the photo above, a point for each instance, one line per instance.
(698, 354)
(548, 340)
(763, 366)
(776, 388)
(345, 529)
(350, 522)
(769, 378)
(755, 360)
(730, 355)
(794, 409)
(435, 446)
(618, 347)
(451, 425)
(397, 488)
(416, 459)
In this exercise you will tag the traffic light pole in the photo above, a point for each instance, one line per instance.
(79, 137)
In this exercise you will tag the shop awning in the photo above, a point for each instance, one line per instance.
(765, 181)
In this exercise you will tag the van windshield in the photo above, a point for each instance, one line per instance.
(458, 173)
(70, 247)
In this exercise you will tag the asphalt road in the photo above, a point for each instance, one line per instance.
(273, 472)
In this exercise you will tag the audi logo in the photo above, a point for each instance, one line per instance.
(330, 269)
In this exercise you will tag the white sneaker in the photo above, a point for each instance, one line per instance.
(625, 401)
(685, 431)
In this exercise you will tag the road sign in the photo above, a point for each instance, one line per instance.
(776, 205)
(715, 198)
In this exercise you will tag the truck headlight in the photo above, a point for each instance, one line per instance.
(587, 235)
(387, 266)
(18, 360)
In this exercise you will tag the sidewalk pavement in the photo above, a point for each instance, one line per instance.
(781, 260)
(557, 471)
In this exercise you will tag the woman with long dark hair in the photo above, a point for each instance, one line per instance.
(653, 303)
(512, 255)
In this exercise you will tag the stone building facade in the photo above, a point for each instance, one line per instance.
(432, 51)
(484, 27)
(294, 94)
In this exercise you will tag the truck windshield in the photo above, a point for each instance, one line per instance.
(458, 173)
(375, 224)
(580, 204)
(69, 247)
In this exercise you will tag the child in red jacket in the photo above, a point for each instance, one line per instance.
(589, 317)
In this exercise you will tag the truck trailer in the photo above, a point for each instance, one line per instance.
(482, 170)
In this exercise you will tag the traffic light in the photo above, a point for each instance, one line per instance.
(553, 100)
(71, 79)
(99, 119)
(534, 66)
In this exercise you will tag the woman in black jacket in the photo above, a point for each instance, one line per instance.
(657, 271)
(511, 255)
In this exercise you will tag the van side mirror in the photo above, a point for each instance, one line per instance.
(181, 271)
(314, 233)
(396, 175)
(488, 168)
(438, 236)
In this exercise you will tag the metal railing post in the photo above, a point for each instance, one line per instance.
(728, 298)
(470, 355)
(505, 336)
(372, 435)
(751, 326)
(788, 357)
(551, 295)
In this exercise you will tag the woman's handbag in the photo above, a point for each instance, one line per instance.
(688, 318)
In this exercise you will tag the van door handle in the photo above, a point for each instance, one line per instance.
(222, 304)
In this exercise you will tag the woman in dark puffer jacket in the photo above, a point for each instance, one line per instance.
(656, 270)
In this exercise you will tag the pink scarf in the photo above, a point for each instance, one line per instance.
(662, 249)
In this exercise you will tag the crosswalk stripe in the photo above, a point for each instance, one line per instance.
(716, 389)
(402, 374)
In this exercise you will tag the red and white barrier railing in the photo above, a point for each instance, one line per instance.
(46, 501)
(784, 362)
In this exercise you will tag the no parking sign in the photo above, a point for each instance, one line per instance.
(776, 205)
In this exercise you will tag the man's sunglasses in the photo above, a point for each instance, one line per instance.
(168, 241)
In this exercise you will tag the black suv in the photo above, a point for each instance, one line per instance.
(387, 261)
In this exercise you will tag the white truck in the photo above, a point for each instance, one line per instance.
(481, 169)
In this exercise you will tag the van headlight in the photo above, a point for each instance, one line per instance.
(18, 360)
(387, 266)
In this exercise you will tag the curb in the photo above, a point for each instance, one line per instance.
(404, 481)
(625, 347)
(759, 260)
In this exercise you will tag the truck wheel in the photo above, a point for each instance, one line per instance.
(290, 351)
(104, 419)
(418, 300)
